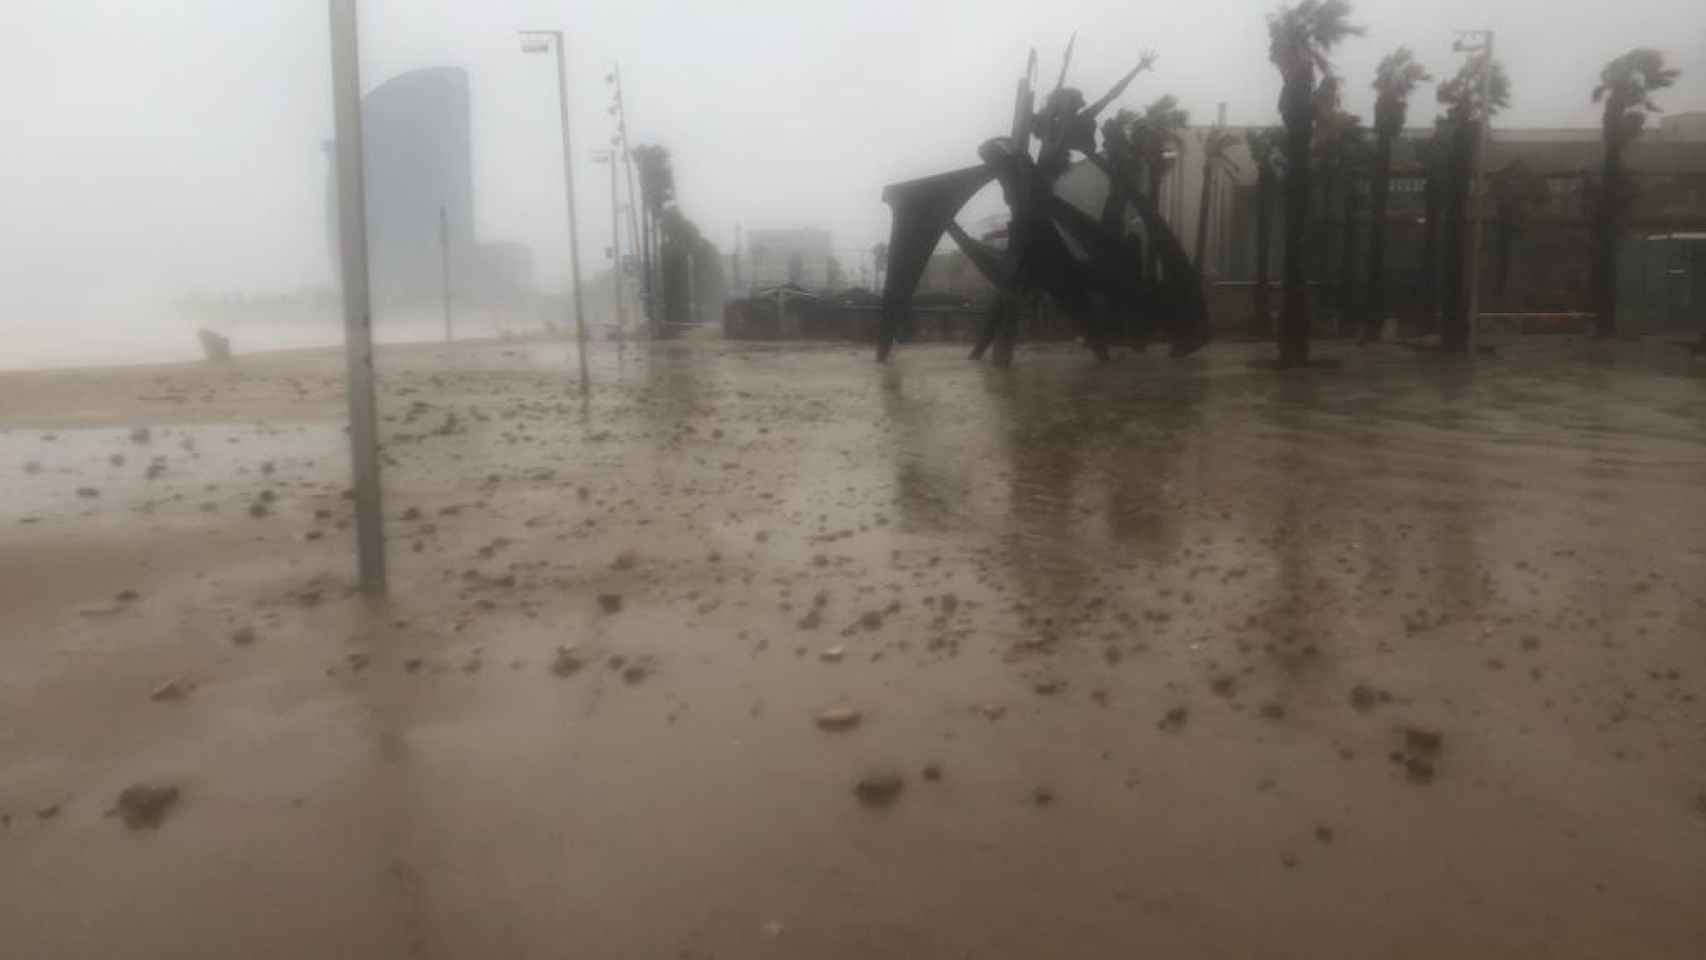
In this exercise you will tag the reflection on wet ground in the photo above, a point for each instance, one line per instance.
(1186, 658)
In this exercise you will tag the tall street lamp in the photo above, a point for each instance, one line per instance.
(358, 314)
(1478, 42)
(616, 279)
(541, 41)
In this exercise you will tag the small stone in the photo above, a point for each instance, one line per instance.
(839, 718)
(413, 664)
(1419, 769)
(143, 806)
(636, 672)
(610, 602)
(48, 812)
(1289, 860)
(992, 711)
(1363, 699)
(1324, 834)
(833, 654)
(88, 492)
(933, 772)
(567, 662)
(1174, 720)
(1049, 686)
(1042, 797)
(174, 689)
(1273, 711)
(879, 788)
(1420, 741)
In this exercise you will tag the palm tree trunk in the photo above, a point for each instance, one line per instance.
(1348, 260)
(1294, 307)
(1454, 328)
(1202, 213)
(1374, 298)
(1607, 226)
(1261, 322)
(1428, 296)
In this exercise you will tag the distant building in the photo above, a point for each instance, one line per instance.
(802, 257)
(418, 158)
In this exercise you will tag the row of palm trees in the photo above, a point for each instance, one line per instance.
(1319, 146)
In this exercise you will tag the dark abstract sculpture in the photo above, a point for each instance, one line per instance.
(1093, 268)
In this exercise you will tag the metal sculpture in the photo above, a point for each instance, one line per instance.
(1092, 267)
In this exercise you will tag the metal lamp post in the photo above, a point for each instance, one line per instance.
(540, 41)
(358, 315)
(616, 280)
(1482, 44)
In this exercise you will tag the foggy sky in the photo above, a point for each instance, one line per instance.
(174, 145)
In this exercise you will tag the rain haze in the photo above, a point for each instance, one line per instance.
(175, 148)
(950, 479)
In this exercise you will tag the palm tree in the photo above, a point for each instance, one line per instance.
(1464, 115)
(1214, 146)
(1339, 157)
(1353, 160)
(1394, 80)
(1517, 192)
(1626, 86)
(1149, 137)
(657, 193)
(1264, 147)
(1430, 156)
(1300, 37)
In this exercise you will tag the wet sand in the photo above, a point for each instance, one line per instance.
(1178, 637)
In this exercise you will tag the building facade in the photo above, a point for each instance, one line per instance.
(417, 153)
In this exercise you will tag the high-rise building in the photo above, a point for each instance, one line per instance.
(418, 156)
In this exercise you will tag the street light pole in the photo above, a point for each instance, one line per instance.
(536, 41)
(358, 316)
(636, 236)
(444, 268)
(1478, 201)
(612, 158)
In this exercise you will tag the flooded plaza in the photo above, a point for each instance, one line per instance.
(771, 651)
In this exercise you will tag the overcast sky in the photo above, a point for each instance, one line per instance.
(157, 146)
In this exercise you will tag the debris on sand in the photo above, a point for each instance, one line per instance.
(1174, 720)
(879, 787)
(88, 492)
(567, 662)
(833, 654)
(1364, 698)
(992, 711)
(1048, 686)
(610, 602)
(638, 671)
(243, 636)
(48, 812)
(143, 806)
(1042, 797)
(839, 718)
(174, 689)
(1421, 750)
(933, 772)
(140, 435)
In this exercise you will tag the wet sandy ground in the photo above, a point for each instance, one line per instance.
(1403, 659)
